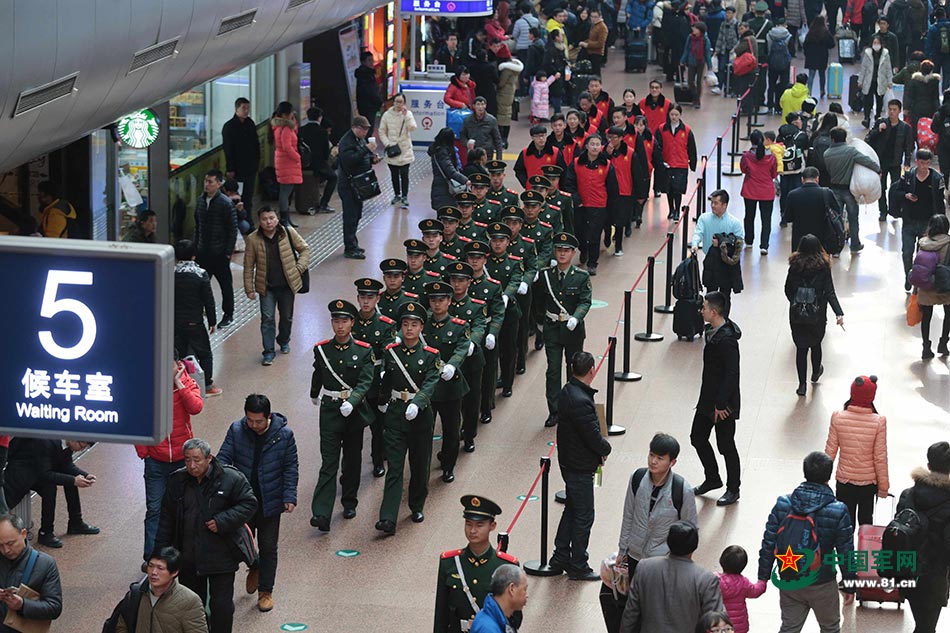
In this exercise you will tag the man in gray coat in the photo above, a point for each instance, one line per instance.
(840, 160)
(42, 576)
(480, 129)
(671, 593)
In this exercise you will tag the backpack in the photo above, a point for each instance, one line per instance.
(804, 308)
(922, 272)
(942, 275)
(75, 230)
(835, 235)
(898, 15)
(944, 32)
(127, 609)
(907, 532)
(677, 490)
(686, 282)
(306, 155)
(792, 159)
(779, 56)
(799, 532)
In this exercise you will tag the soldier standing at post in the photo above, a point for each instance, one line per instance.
(342, 378)
(567, 297)
(509, 271)
(417, 276)
(394, 275)
(490, 291)
(409, 381)
(474, 312)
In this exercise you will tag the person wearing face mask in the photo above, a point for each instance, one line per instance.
(876, 77)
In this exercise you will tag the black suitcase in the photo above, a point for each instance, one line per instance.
(855, 96)
(687, 321)
(682, 93)
(635, 56)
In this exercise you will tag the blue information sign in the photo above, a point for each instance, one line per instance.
(89, 334)
(447, 7)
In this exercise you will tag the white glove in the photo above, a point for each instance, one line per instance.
(448, 371)
(490, 341)
(412, 411)
(504, 299)
(553, 263)
(382, 408)
(523, 288)
(346, 409)
(572, 323)
(536, 275)
(398, 340)
(471, 349)
(315, 401)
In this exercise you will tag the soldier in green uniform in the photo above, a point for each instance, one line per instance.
(485, 210)
(490, 291)
(417, 276)
(394, 274)
(450, 336)
(465, 574)
(509, 271)
(436, 260)
(498, 192)
(452, 243)
(409, 380)
(468, 227)
(342, 379)
(543, 235)
(524, 247)
(550, 213)
(567, 297)
(379, 331)
(561, 199)
(474, 312)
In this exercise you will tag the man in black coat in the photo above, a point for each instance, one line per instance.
(215, 236)
(806, 209)
(356, 157)
(204, 508)
(44, 577)
(581, 450)
(318, 139)
(922, 190)
(893, 142)
(718, 406)
(242, 151)
(368, 101)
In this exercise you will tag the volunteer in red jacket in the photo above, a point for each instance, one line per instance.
(461, 90)
(679, 157)
(536, 155)
(618, 118)
(596, 120)
(577, 132)
(632, 183)
(758, 188)
(599, 96)
(655, 107)
(592, 182)
(652, 148)
(164, 458)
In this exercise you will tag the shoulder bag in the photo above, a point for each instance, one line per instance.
(14, 620)
(454, 187)
(305, 275)
(392, 151)
(365, 184)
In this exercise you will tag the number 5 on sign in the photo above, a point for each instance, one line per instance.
(52, 306)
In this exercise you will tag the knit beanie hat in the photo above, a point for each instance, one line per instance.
(863, 390)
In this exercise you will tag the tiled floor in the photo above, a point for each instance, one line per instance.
(390, 585)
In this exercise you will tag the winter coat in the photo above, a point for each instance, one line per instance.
(490, 619)
(242, 146)
(811, 334)
(919, 17)
(728, 37)
(885, 73)
(354, 156)
(778, 34)
(736, 589)
(484, 132)
(508, 73)
(286, 156)
(941, 126)
(186, 402)
(918, 211)
(178, 610)
(54, 220)
(903, 143)
(676, 30)
(832, 520)
(519, 32)
(903, 75)
(643, 532)
(816, 51)
(720, 382)
(861, 437)
(941, 243)
(540, 93)
(226, 497)
(759, 173)
(854, 13)
(805, 209)
(396, 128)
(930, 495)
(194, 299)
(597, 39)
(555, 61)
(922, 96)
(669, 594)
(458, 95)
(277, 470)
(368, 101)
(640, 14)
(932, 43)
(255, 259)
(792, 98)
(714, 21)
(580, 446)
(795, 13)
(444, 162)
(689, 58)
(215, 225)
(44, 579)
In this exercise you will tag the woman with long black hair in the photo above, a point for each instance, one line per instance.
(446, 168)
(758, 188)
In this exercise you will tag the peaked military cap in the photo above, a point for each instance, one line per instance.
(466, 197)
(497, 229)
(459, 269)
(431, 226)
(450, 213)
(512, 213)
(479, 508)
(477, 248)
(393, 266)
(412, 310)
(552, 171)
(533, 196)
(565, 240)
(479, 179)
(438, 289)
(496, 166)
(368, 286)
(416, 247)
(342, 308)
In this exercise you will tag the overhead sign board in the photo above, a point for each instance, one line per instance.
(89, 338)
(139, 129)
(447, 7)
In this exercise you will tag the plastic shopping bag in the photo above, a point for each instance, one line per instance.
(865, 182)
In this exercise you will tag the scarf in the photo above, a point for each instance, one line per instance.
(696, 48)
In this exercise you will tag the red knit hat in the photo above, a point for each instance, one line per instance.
(863, 390)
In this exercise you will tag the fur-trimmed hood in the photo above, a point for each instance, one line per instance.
(279, 121)
(919, 76)
(930, 478)
(514, 64)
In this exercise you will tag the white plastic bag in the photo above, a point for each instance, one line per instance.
(712, 80)
(865, 183)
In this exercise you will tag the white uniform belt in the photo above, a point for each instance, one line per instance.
(377, 362)
(336, 395)
(557, 317)
(404, 395)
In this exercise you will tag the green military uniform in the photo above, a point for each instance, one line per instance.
(462, 569)
(475, 313)
(389, 303)
(486, 211)
(509, 271)
(559, 202)
(455, 246)
(415, 282)
(503, 197)
(403, 435)
(526, 248)
(342, 375)
(490, 291)
(566, 294)
(437, 262)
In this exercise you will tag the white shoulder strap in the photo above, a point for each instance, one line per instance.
(402, 368)
(330, 369)
(468, 592)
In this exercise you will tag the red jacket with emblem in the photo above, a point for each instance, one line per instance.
(679, 148)
(592, 183)
(530, 161)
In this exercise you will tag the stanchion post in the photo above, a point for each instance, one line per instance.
(626, 375)
(735, 153)
(685, 227)
(718, 162)
(612, 429)
(667, 307)
(650, 336)
(503, 541)
(541, 567)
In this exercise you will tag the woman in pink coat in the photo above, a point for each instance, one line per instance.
(760, 169)
(287, 160)
(860, 434)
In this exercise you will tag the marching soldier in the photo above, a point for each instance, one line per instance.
(567, 297)
(417, 276)
(490, 291)
(409, 379)
(436, 261)
(394, 275)
(550, 212)
(474, 312)
(558, 199)
(543, 235)
(378, 330)
(509, 271)
(524, 247)
(452, 243)
(342, 379)
(498, 192)
(485, 211)
(468, 227)
(465, 574)
(450, 336)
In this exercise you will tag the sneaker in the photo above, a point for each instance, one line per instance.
(716, 91)
(907, 286)
(267, 360)
(396, 200)
(405, 202)
(225, 322)
(747, 245)
(354, 255)
(285, 348)
(618, 253)
(763, 251)
(213, 391)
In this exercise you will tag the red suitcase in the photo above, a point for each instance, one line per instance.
(869, 540)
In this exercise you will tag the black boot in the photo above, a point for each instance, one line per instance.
(942, 346)
(927, 353)
(285, 219)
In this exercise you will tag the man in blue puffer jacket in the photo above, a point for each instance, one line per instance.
(639, 16)
(815, 498)
(263, 448)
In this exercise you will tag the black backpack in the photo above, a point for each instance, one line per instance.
(127, 609)
(835, 236)
(686, 282)
(306, 155)
(677, 491)
(804, 308)
(779, 56)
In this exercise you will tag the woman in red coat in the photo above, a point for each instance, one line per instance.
(461, 90)
(287, 161)
(758, 187)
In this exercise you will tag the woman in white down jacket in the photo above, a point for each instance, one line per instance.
(395, 129)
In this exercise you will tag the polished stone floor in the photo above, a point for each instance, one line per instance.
(390, 584)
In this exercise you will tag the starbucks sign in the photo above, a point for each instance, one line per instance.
(139, 129)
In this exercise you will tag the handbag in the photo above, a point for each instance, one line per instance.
(365, 185)
(914, 315)
(305, 275)
(392, 151)
(744, 64)
(14, 620)
(454, 187)
(247, 548)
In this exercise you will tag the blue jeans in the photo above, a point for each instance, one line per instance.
(847, 202)
(276, 298)
(156, 474)
(821, 79)
(573, 532)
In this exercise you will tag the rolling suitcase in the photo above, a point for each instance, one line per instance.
(687, 321)
(855, 96)
(635, 55)
(869, 540)
(835, 80)
(847, 45)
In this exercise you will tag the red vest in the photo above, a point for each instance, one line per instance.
(592, 184)
(648, 146)
(533, 164)
(624, 170)
(655, 117)
(603, 104)
(675, 147)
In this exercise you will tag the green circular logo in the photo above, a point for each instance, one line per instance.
(347, 553)
(597, 303)
(531, 498)
(139, 129)
(293, 626)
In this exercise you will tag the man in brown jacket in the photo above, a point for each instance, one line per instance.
(596, 43)
(275, 258)
(160, 602)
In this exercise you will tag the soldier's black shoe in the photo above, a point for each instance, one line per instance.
(551, 421)
(349, 513)
(48, 539)
(498, 384)
(520, 370)
(730, 497)
(469, 446)
(418, 517)
(387, 527)
(378, 471)
(448, 476)
(506, 393)
(538, 342)
(321, 523)
(485, 418)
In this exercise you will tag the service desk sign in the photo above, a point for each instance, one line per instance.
(89, 339)
(455, 8)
